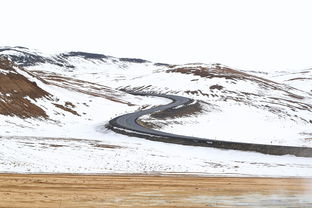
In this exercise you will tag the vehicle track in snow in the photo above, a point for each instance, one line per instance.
(128, 124)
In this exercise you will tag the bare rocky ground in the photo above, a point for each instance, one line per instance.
(21, 191)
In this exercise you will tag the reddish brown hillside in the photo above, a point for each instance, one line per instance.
(216, 70)
(16, 93)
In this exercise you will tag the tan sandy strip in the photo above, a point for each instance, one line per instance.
(151, 191)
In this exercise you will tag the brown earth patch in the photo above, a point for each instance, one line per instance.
(107, 146)
(300, 78)
(150, 124)
(187, 110)
(216, 71)
(16, 92)
(65, 108)
(218, 87)
(86, 191)
(56, 145)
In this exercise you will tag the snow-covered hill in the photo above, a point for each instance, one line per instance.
(300, 79)
(35, 105)
(72, 96)
(233, 105)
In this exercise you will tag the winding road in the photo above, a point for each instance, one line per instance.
(128, 124)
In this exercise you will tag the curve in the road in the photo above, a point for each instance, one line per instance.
(127, 124)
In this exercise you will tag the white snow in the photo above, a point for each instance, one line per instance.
(67, 143)
(57, 155)
(242, 124)
(300, 79)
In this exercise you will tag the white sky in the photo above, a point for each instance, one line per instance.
(246, 34)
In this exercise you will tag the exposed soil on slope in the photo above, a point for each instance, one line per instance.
(82, 86)
(21, 191)
(16, 93)
(189, 110)
(216, 71)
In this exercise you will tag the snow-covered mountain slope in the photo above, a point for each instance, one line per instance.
(300, 79)
(237, 106)
(17, 93)
(36, 106)
(78, 93)
(233, 105)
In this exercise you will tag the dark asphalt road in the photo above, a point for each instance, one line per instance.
(127, 124)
